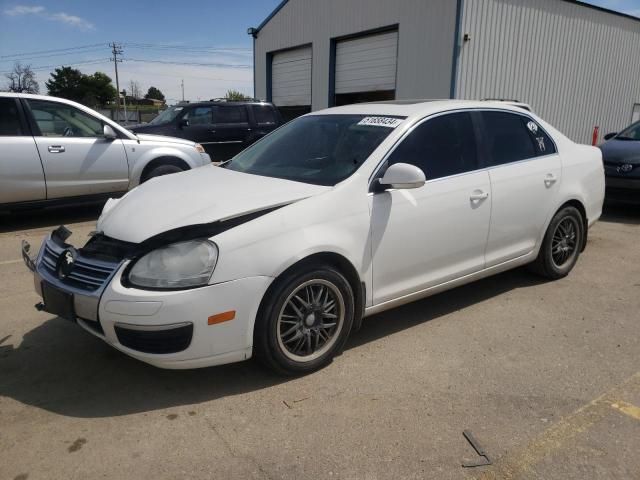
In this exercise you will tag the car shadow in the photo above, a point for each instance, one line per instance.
(620, 213)
(49, 217)
(61, 368)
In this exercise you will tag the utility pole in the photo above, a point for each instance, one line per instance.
(116, 49)
(182, 85)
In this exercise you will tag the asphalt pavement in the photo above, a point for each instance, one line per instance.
(545, 374)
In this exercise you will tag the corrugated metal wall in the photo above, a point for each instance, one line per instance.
(425, 40)
(578, 67)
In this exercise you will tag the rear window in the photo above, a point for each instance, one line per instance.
(9, 118)
(264, 114)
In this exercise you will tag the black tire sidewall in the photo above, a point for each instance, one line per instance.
(550, 266)
(161, 170)
(267, 325)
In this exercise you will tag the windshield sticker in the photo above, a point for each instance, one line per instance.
(388, 122)
(541, 146)
(532, 127)
(177, 109)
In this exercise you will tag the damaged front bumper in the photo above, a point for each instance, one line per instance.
(168, 329)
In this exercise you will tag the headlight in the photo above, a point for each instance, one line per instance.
(199, 148)
(180, 265)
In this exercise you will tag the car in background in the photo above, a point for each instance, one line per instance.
(54, 150)
(224, 128)
(337, 215)
(621, 156)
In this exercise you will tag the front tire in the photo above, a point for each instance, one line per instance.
(562, 244)
(305, 321)
(161, 170)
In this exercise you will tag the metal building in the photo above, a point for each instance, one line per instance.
(577, 65)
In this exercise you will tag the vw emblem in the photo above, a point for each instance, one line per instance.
(65, 263)
(625, 168)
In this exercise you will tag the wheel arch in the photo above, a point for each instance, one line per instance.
(162, 160)
(332, 259)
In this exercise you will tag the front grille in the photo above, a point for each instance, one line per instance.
(171, 340)
(87, 274)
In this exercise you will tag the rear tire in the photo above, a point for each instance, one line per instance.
(161, 170)
(305, 321)
(561, 245)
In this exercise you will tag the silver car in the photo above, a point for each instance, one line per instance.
(54, 150)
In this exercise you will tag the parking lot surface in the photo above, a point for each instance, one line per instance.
(545, 375)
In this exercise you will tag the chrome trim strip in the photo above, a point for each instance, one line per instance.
(455, 282)
(216, 143)
(152, 328)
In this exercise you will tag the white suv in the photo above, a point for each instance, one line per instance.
(53, 150)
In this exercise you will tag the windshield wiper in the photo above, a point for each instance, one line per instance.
(622, 137)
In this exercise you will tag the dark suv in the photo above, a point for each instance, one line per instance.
(223, 128)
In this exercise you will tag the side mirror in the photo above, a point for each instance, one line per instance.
(109, 133)
(183, 123)
(609, 136)
(402, 176)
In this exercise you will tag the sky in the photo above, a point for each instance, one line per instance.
(162, 41)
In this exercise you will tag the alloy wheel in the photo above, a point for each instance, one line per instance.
(310, 320)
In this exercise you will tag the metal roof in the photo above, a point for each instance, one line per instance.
(576, 2)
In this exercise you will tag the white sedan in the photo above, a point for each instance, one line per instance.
(335, 216)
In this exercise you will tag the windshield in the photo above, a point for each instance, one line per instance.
(631, 133)
(167, 116)
(318, 149)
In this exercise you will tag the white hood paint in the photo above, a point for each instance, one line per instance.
(147, 137)
(198, 196)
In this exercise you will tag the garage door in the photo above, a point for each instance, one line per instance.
(366, 65)
(291, 77)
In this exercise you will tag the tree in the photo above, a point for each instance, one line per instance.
(98, 89)
(22, 79)
(91, 90)
(65, 82)
(154, 93)
(235, 95)
(134, 90)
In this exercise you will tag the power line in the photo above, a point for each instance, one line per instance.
(155, 46)
(192, 64)
(48, 67)
(80, 47)
(91, 50)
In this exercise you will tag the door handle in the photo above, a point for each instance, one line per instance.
(478, 195)
(55, 148)
(550, 179)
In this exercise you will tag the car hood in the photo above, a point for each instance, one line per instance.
(621, 151)
(195, 197)
(146, 137)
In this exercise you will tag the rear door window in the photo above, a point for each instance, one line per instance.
(230, 114)
(511, 138)
(442, 146)
(9, 118)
